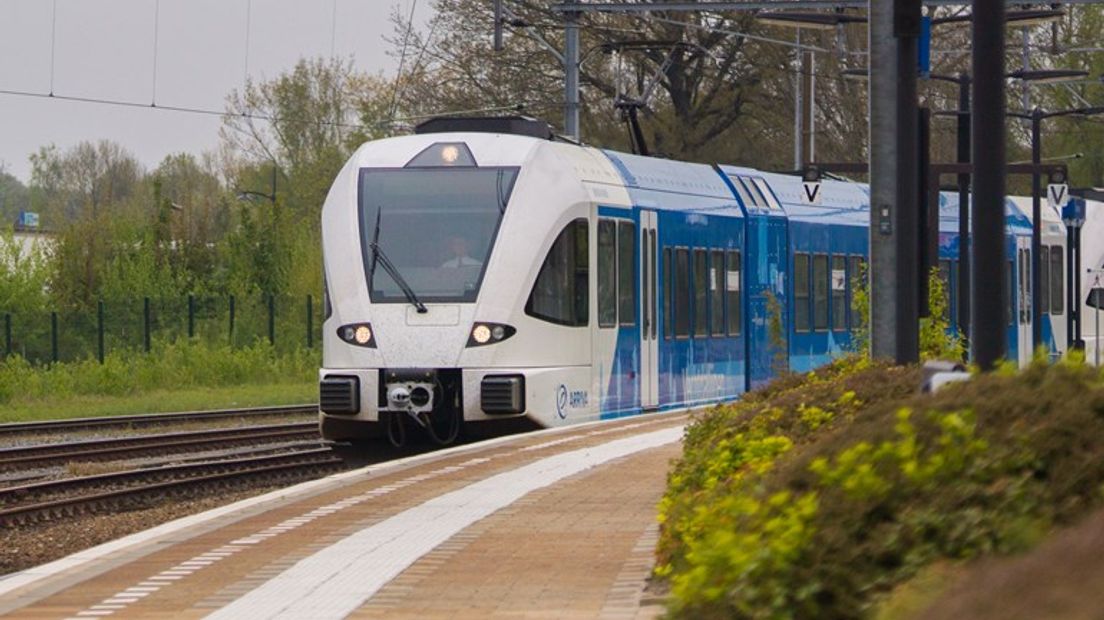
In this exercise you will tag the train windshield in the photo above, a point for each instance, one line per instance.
(436, 225)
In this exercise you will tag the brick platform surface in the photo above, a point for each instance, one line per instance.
(579, 548)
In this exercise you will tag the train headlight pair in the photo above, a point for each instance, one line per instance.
(489, 333)
(359, 334)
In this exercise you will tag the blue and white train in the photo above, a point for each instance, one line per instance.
(497, 280)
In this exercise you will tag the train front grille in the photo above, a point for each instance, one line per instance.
(502, 394)
(339, 394)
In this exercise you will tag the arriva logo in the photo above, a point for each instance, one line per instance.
(576, 399)
(561, 401)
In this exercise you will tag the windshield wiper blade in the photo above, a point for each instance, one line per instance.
(379, 257)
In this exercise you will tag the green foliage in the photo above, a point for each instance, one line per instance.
(860, 311)
(937, 342)
(179, 366)
(776, 334)
(816, 496)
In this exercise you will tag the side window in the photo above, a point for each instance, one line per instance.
(607, 273)
(732, 288)
(1057, 281)
(701, 294)
(626, 272)
(717, 294)
(682, 292)
(839, 293)
(768, 196)
(668, 300)
(742, 191)
(820, 292)
(801, 292)
(1044, 280)
(561, 293)
(1009, 310)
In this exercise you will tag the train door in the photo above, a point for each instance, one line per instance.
(649, 330)
(1024, 313)
(764, 276)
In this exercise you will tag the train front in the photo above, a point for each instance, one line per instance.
(430, 243)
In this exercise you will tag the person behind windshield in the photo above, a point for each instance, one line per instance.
(459, 248)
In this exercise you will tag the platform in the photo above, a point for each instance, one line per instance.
(555, 524)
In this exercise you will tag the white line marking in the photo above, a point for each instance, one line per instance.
(335, 581)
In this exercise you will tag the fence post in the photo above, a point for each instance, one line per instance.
(146, 323)
(271, 319)
(231, 320)
(191, 316)
(100, 331)
(7, 334)
(54, 336)
(310, 322)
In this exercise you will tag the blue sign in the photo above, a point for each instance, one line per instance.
(27, 219)
(1073, 212)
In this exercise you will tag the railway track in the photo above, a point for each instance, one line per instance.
(43, 455)
(47, 501)
(151, 419)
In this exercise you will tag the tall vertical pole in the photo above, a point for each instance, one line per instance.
(1036, 232)
(907, 29)
(811, 97)
(571, 73)
(883, 181)
(100, 331)
(990, 285)
(964, 206)
(799, 110)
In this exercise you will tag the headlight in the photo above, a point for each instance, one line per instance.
(359, 334)
(489, 333)
(481, 334)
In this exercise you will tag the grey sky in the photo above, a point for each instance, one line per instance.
(105, 49)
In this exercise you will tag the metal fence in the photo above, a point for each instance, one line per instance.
(135, 325)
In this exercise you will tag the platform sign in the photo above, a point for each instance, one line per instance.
(810, 192)
(1057, 195)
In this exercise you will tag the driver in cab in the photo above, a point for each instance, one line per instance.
(458, 246)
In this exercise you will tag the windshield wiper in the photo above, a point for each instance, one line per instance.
(378, 257)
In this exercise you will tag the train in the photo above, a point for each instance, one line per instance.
(484, 277)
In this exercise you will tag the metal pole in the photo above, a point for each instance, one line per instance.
(799, 85)
(310, 321)
(908, 190)
(498, 25)
(54, 336)
(812, 106)
(146, 323)
(271, 319)
(191, 316)
(883, 181)
(571, 74)
(964, 206)
(990, 285)
(1075, 303)
(1071, 272)
(8, 333)
(231, 339)
(1036, 233)
(100, 331)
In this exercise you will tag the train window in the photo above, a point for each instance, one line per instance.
(561, 293)
(655, 278)
(717, 294)
(801, 292)
(745, 197)
(839, 293)
(668, 301)
(732, 288)
(1057, 283)
(607, 273)
(626, 272)
(768, 195)
(701, 294)
(820, 292)
(682, 292)
(1044, 280)
(855, 275)
(1010, 277)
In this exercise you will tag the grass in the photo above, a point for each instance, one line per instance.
(174, 377)
(157, 401)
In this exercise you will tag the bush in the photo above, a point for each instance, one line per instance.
(816, 496)
(168, 366)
